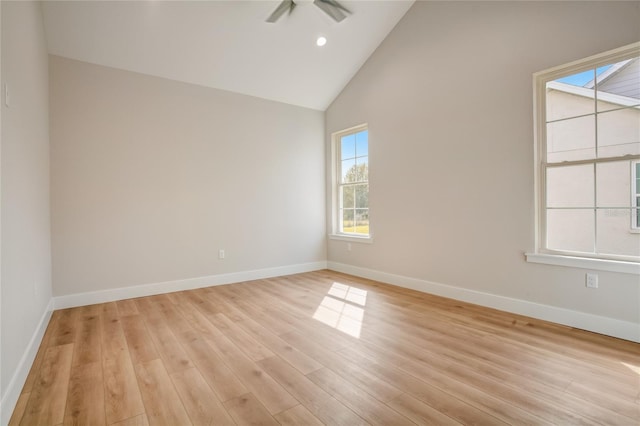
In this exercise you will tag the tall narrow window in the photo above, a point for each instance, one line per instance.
(351, 148)
(588, 121)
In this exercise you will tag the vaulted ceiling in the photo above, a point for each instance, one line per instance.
(226, 44)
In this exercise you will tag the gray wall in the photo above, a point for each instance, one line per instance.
(448, 99)
(26, 243)
(151, 177)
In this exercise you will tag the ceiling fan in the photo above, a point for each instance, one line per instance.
(331, 7)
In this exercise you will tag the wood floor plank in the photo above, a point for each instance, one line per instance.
(48, 398)
(322, 348)
(37, 362)
(467, 371)
(244, 341)
(161, 401)
(304, 322)
(224, 299)
(127, 307)
(174, 298)
(367, 381)
(64, 327)
(122, 395)
(320, 403)
(174, 357)
(139, 341)
(88, 345)
(420, 412)
(483, 400)
(367, 407)
(139, 420)
(247, 410)
(298, 359)
(197, 320)
(262, 315)
(18, 411)
(176, 321)
(297, 416)
(202, 405)
(89, 310)
(85, 403)
(261, 385)
(216, 373)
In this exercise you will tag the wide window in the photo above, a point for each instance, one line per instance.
(588, 146)
(351, 153)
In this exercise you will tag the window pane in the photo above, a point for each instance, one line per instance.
(362, 221)
(637, 213)
(362, 169)
(566, 101)
(572, 139)
(613, 184)
(349, 171)
(362, 143)
(638, 178)
(348, 224)
(581, 79)
(347, 200)
(619, 85)
(571, 230)
(570, 186)
(613, 233)
(362, 196)
(348, 146)
(619, 132)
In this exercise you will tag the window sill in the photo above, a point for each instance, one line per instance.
(351, 238)
(585, 263)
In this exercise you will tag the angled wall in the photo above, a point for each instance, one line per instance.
(449, 102)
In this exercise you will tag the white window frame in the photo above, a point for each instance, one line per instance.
(635, 196)
(336, 163)
(554, 257)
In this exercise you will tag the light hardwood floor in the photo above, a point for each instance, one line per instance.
(322, 348)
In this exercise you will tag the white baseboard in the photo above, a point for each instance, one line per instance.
(103, 296)
(604, 325)
(10, 398)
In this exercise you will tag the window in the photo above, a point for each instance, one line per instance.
(351, 189)
(588, 147)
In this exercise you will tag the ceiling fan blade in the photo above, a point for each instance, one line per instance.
(335, 3)
(281, 9)
(332, 8)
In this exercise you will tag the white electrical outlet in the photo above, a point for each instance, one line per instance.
(591, 280)
(221, 254)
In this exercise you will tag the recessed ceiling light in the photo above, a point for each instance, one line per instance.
(321, 41)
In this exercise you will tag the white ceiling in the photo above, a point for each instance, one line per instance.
(226, 44)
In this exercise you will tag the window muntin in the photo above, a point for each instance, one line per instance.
(588, 151)
(352, 165)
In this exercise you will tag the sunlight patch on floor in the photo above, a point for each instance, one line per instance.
(339, 309)
(634, 368)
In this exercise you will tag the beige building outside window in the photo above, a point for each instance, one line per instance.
(589, 152)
